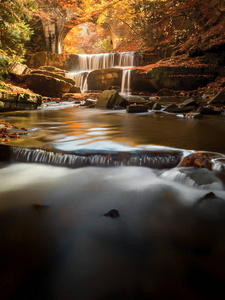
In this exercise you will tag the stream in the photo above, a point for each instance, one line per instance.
(164, 239)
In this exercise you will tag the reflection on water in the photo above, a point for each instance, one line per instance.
(80, 127)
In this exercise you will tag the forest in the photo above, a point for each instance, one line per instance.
(189, 26)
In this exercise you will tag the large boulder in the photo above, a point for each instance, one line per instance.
(47, 85)
(103, 78)
(109, 99)
(10, 101)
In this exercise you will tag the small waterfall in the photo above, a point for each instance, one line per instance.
(91, 62)
(125, 84)
(77, 160)
(81, 80)
(126, 59)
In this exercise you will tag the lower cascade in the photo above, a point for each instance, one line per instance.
(151, 160)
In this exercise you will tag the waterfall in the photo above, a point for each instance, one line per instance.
(91, 62)
(126, 59)
(77, 160)
(125, 84)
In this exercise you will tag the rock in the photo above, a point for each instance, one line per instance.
(90, 102)
(198, 160)
(13, 101)
(157, 106)
(60, 75)
(17, 68)
(136, 108)
(103, 78)
(63, 61)
(150, 104)
(137, 100)
(174, 108)
(188, 102)
(39, 207)
(75, 89)
(113, 213)
(209, 110)
(166, 92)
(47, 85)
(109, 99)
(218, 99)
(176, 78)
(118, 108)
(194, 115)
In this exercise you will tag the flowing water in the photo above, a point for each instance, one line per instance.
(90, 62)
(165, 241)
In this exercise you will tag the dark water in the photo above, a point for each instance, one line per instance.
(74, 128)
(166, 243)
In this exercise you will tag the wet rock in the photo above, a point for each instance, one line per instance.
(157, 106)
(103, 78)
(113, 213)
(189, 102)
(209, 110)
(109, 99)
(136, 108)
(14, 101)
(218, 99)
(193, 115)
(174, 108)
(151, 104)
(137, 100)
(118, 108)
(198, 160)
(166, 92)
(39, 207)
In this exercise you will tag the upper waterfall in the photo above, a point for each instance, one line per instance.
(91, 62)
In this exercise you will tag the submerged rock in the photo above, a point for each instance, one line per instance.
(109, 99)
(193, 115)
(209, 110)
(113, 213)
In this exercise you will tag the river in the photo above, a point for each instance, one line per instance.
(164, 242)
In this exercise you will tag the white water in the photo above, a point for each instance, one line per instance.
(125, 85)
(90, 62)
(56, 241)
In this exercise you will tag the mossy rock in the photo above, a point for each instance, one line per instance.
(46, 85)
(109, 99)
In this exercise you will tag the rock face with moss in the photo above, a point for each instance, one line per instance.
(15, 98)
(170, 77)
(49, 81)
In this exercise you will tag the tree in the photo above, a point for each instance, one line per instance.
(14, 27)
